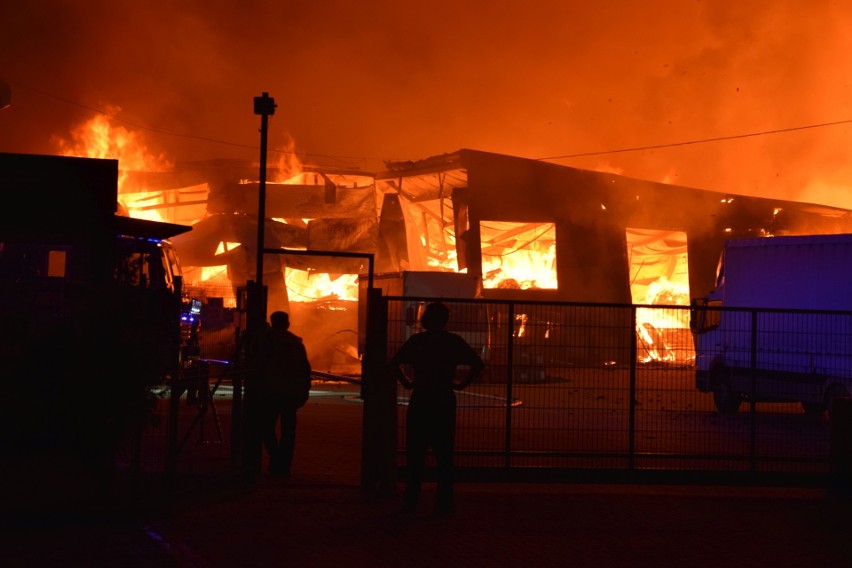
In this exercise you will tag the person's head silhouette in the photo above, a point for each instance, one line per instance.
(435, 316)
(279, 320)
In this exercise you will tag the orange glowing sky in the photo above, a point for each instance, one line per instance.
(358, 83)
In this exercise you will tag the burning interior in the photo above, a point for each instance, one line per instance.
(520, 229)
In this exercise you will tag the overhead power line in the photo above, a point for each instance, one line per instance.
(164, 131)
(702, 141)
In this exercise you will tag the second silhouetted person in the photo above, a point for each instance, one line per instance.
(433, 355)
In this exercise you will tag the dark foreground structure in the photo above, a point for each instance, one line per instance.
(91, 307)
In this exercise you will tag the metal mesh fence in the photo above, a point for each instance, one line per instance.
(573, 386)
(580, 387)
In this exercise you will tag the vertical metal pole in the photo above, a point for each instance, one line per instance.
(264, 106)
(378, 391)
(261, 201)
(256, 307)
(631, 443)
(752, 403)
(510, 363)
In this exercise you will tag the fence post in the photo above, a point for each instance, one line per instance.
(378, 391)
(631, 449)
(752, 403)
(510, 363)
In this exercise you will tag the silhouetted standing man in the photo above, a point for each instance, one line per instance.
(434, 355)
(285, 384)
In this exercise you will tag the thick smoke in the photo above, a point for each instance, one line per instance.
(358, 83)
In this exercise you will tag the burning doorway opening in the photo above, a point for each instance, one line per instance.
(324, 308)
(320, 290)
(659, 276)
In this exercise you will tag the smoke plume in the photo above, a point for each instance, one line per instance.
(358, 83)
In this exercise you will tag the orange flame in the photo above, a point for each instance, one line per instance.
(655, 326)
(99, 138)
(305, 286)
(288, 168)
(518, 255)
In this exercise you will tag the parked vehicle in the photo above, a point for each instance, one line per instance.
(72, 270)
(778, 325)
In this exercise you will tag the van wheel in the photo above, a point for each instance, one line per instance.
(834, 391)
(725, 399)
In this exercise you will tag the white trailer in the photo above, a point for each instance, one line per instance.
(778, 325)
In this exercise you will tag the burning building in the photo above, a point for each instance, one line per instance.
(536, 230)
(519, 229)
(531, 230)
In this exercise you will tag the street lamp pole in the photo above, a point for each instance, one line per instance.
(265, 107)
(252, 449)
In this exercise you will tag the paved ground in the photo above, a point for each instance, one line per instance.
(319, 518)
(302, 524)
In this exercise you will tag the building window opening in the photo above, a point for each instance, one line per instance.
(518, 255)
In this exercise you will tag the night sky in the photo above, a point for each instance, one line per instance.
(359, 83)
